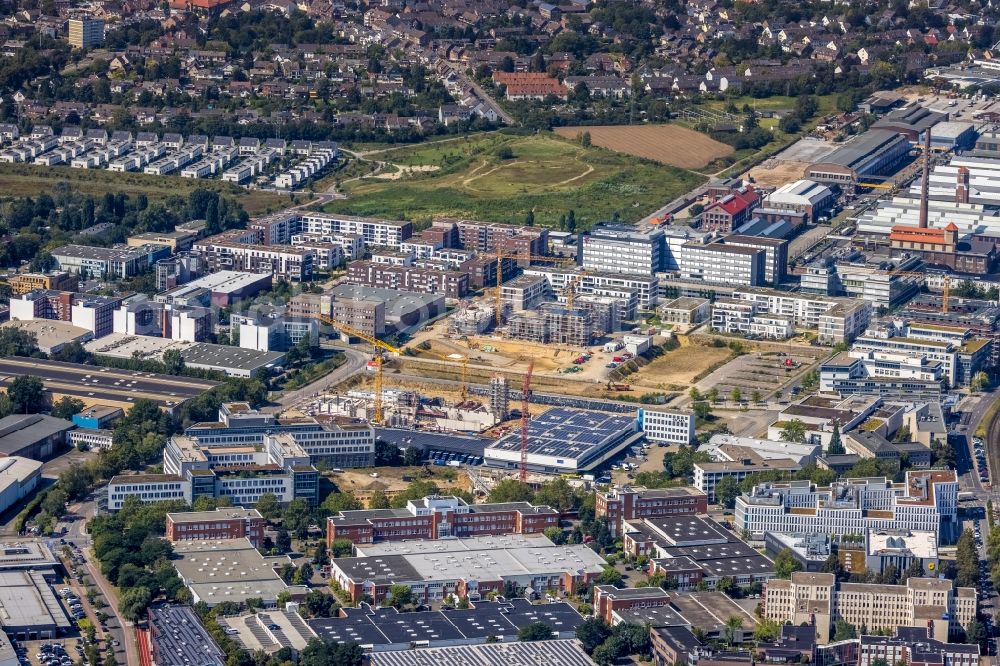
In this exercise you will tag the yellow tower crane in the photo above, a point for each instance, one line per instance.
(379, 347)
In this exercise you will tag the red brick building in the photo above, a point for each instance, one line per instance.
(608, 599)
(434, 517)
(731, 211)
(636, 503)
(223, 523)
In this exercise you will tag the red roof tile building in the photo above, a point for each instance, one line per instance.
(731, 211)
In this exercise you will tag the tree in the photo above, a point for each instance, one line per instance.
(26, 394)
(844, 630)
(66, 407)
(975, 633)
(15, 342)
(785, 564)
(756, 396)
(702, 410)
(134, 602)
(379, 500)
(726, 491)
(400, 595)
(966, 560)
(736, 395)
(610, 576)
(592, 632)
(555, 534)
(915, 570)
(980, 380)
(337, 502)
(173, 362)
(283, 541)
(535, 631)
(793, 431)
(529, 219)
(557, 494)
(733, 625)
(836, 447)
(585, 139)
(296, 517)
(694, 394)
(268, 506)
(766, 631)
(511, 490)
(412, 456)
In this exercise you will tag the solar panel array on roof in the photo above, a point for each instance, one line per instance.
(564, 653)
(569, 433)
(179, 639)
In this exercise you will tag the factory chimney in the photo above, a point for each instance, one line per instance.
(962, 187)
(924, 183)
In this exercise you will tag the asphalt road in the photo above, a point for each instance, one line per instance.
(354, 364)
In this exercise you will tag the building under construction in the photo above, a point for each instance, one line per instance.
(471, 319)
(552, 322)
(500, 397)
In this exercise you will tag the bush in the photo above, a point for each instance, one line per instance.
(505, 153)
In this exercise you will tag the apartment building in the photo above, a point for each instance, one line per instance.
(553, 323)
(525, 292)
(871, 283)
(232, 252)
(634, 291)
(730, 315)
(665, 427)
(915, 646)
(608, 599)
(632, 503)
(835, 319)
(817, 599)
(279, 228)
(86, 32)
(223, 523)
(352, 246)
(489, 238)
(621, 248)
(719, 263)
(94, 313)
(453, 284)
(97, 262)
(927, 500)
(436, 517)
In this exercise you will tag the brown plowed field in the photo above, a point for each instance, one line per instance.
(669, 144)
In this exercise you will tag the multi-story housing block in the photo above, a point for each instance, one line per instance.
(453, 284)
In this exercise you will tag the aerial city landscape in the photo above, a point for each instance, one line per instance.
(480, 332)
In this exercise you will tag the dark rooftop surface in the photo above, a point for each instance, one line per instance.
(385, 626)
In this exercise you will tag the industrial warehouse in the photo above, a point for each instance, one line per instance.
(567, 440)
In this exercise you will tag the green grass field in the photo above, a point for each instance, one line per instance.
(28, 180)
(546, 174)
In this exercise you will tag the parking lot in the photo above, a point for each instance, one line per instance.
(765, 372)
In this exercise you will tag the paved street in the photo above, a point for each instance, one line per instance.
(354, 364)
